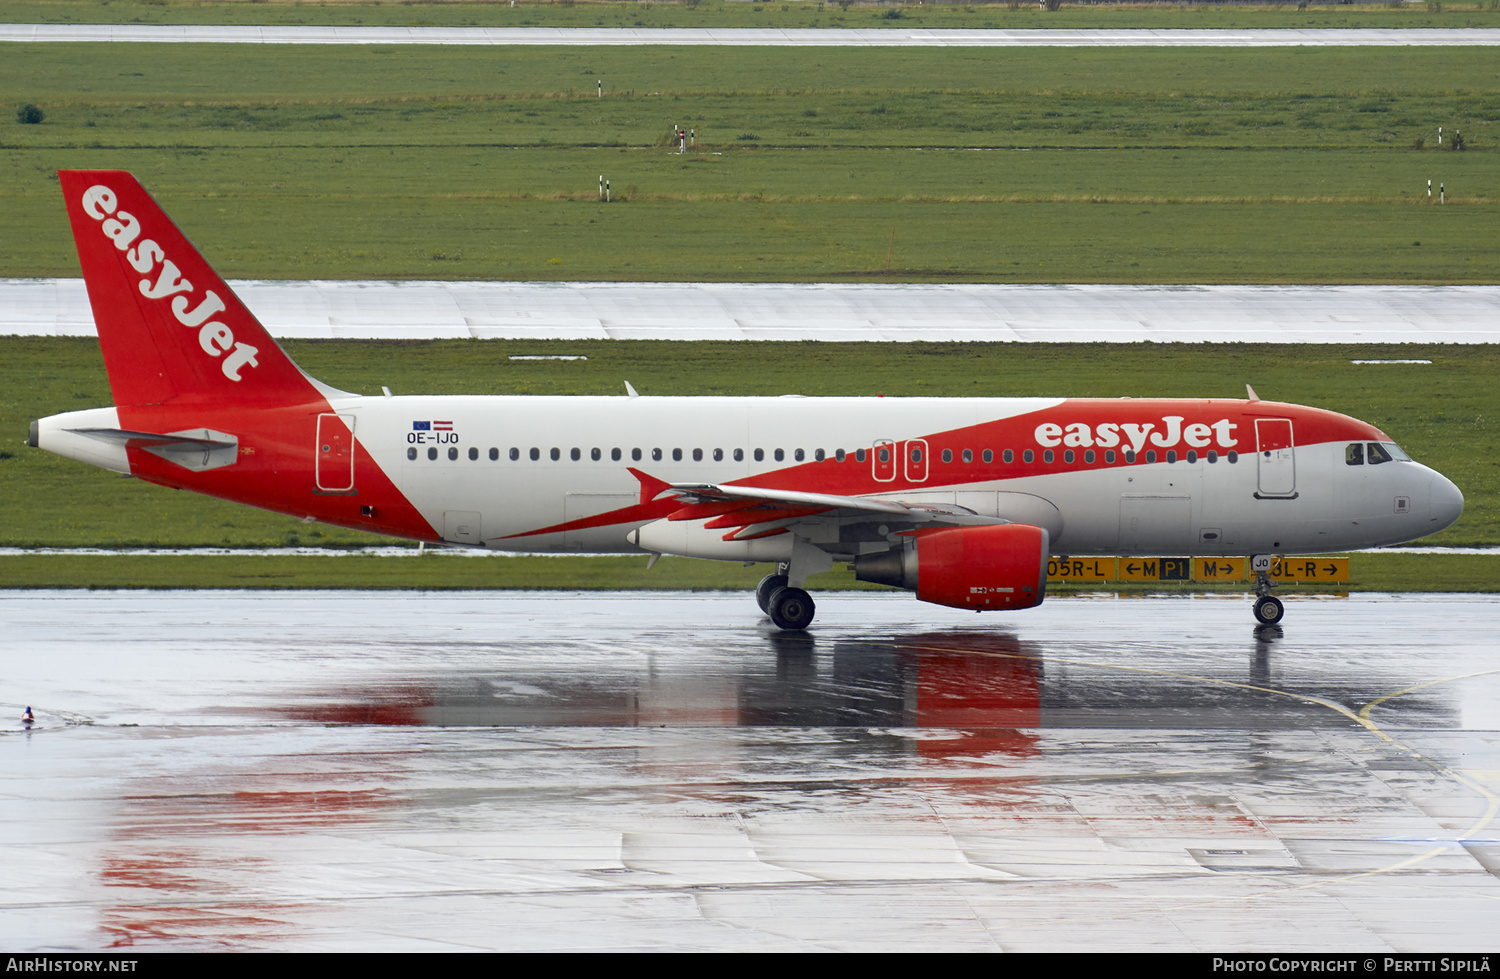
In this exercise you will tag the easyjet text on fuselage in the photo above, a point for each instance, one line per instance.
(1137, 435)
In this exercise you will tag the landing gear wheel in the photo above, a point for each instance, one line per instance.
(767, 586)
(791, 609)
(1268, 610)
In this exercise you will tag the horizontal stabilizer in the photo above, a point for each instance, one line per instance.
(196, 449)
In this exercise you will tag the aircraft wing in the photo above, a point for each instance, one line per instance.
(751, 511)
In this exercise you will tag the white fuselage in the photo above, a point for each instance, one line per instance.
(542, 462)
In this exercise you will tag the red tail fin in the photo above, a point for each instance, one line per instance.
(170, 329)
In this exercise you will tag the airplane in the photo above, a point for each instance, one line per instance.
(962, 500)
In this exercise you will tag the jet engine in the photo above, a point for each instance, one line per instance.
(980, 568)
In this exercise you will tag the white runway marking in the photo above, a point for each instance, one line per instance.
(766, 37)
(820, 311)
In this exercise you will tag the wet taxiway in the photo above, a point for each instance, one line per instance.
(338, 771)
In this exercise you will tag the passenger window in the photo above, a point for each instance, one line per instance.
(1009, 455)
(1109, 456)
(885, 455)
(1378, 454)
(838, 455)
(473, 453)
(780, 455)
(676, 455)
(1048, 456)
(718, 455)
(1028, 456)
(1213, 456)
(635, 455)
(535, 453)
(411, 453)
(453, 454)
(739, 455)
(515, 454)
(1192, 456)
(614, 455)
(1130, 455)
(859, 455)
(495, 453)
(1354, 454)
(1088, 456)
(431, 454)
(595, 454)
(1068, 456)
(916, 455)
(1171, 455)
(1233, 457)
(575, 455)
(947, 455)
(1150, 455)
(968, 455)
(760, 455)
(656, 455)
(556, 453)
(818, 455)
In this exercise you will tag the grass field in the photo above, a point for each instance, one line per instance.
(720, 14)
(1084, 165)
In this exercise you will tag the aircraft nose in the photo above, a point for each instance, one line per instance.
(1444, 503)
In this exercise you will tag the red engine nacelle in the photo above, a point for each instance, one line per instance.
(980, 568)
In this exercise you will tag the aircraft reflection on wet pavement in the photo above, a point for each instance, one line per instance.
(992, 684)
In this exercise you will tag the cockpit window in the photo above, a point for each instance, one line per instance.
(1378, 454)
(1395, 451)
(1354, 454)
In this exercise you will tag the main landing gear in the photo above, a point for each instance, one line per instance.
(1268, 608)
(790, 608)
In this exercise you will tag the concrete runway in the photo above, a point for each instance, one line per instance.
(424, 771)
(765, 37)
(821, 311)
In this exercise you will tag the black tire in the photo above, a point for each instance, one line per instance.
(1268, 610)
(791, 609)
(767, 585)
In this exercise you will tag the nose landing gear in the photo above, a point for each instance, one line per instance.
(1268, 608)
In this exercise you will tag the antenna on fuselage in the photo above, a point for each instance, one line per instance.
(1250, 393)
(630, 392)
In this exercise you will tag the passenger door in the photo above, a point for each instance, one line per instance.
(1275, 459)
